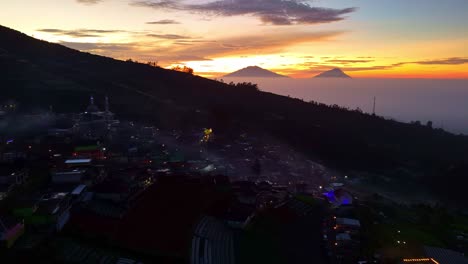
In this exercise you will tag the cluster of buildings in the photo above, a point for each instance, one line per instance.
(90, 175)
(167, 194)
(341, 230)
(47, 172)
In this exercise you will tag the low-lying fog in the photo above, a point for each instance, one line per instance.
(444, 102)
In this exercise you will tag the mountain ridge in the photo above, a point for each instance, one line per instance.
(254, 71)
(333, 73)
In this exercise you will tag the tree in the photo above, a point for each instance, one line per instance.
(246, 86)
(183, 69)
(152, 63)
(429, 124)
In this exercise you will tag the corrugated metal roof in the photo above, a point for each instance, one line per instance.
(77, 161)
(445, 256)
(348, 221)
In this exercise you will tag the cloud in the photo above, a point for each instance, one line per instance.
(348, 61)
(89, 2)
(183, 49)
(168, 36)
(80, 33)
(163, 22)
(370, 68)
(100, 47)
(274, 12)
(268, 43)
(447, 61)
(317, 67)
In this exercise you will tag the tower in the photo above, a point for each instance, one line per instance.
(373, 108)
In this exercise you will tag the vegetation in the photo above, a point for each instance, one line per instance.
(245, 86)
(261, 242)
(394, 226)
(184, 69)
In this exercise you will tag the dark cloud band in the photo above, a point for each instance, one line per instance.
(275, 12)
(163, 22)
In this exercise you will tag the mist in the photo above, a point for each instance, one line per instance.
(442, 101)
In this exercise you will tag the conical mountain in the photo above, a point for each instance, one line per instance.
(334, 73)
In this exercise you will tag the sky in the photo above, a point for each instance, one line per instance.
(365, 38)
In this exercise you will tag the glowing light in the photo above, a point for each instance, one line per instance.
(207, 134)
(421, 260)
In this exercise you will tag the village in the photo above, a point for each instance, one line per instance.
(89, 188)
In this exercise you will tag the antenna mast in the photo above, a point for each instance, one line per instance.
(373, 108)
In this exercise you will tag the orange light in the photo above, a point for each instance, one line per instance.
(420, 260)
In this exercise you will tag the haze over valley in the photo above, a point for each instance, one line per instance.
(442, 101)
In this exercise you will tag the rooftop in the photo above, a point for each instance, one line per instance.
(348, 221)
(78, 161)
(343, 237)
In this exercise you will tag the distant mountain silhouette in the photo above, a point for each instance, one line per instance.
(334, 73)
(38, 74)
(255, 71)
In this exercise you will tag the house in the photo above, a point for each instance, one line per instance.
(53, 212)
(115, 190)
(345, 247)
(442, 255)
(339, 197)
(348, 225)
(90, 152)
(10, 176)
(70, 176)
(79, 192)
(78, 162)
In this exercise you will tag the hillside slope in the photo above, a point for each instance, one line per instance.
(41, 74)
